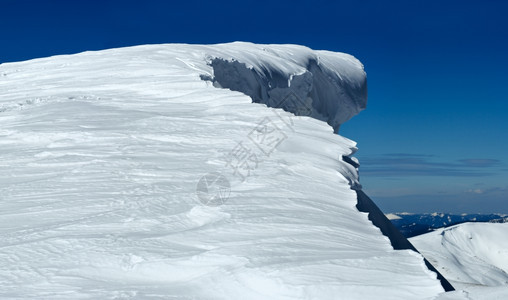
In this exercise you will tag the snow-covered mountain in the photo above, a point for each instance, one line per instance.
(410, 224)
(473, 256)
(128, 173)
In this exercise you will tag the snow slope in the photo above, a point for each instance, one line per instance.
(472, 256)
(109, 157)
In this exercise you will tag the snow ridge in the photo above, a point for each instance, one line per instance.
(328, 86)
(98, 184)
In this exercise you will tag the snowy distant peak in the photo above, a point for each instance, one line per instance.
(325, 85)
(415, 224)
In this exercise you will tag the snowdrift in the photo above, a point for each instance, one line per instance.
(469, 254)
(472, 256)
(124, 174)
(325, 85)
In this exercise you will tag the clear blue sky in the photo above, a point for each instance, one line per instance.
(434, 135)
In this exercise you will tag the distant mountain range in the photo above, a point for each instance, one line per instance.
(411, 224)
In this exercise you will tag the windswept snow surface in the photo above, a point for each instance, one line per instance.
(472, 256)
(102, 188)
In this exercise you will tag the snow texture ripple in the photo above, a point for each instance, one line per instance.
(125, 175)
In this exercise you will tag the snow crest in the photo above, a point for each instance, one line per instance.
(328, 86)
(103, 154)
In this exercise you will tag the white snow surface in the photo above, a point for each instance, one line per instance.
(472, 256)
(102, 153)
(326, 85)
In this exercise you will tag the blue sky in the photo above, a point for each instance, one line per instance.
(434, 135)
